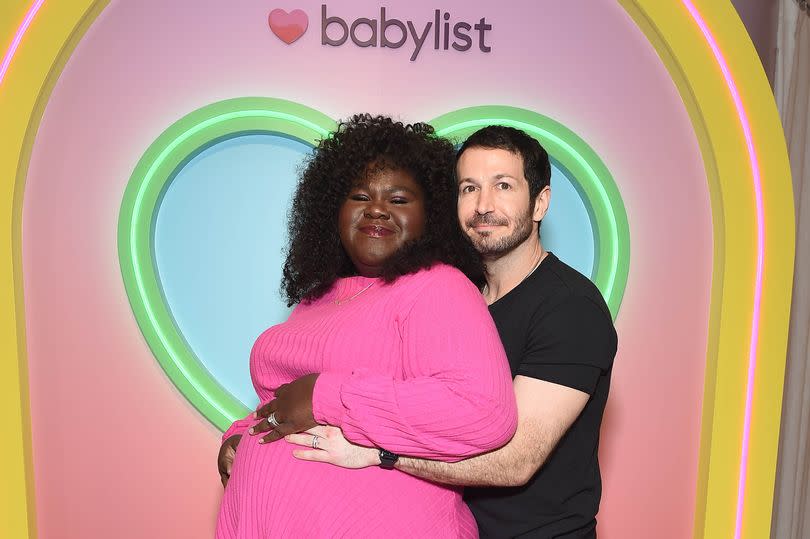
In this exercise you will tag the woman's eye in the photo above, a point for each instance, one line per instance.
(399, 201)
(358, 197)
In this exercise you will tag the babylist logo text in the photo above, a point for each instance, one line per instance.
(394, 33)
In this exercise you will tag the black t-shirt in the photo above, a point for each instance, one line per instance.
(555, 327)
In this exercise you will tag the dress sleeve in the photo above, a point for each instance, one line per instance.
(240, 426)
(572, 344)
(456, 399)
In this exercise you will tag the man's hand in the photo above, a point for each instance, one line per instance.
(291, 410)
(329, 445)
(225, 459)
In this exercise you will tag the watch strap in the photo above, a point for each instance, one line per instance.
(388, 459)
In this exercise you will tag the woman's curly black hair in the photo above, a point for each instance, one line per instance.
(315, 256)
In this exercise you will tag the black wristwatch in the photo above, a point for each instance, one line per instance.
(388, 459)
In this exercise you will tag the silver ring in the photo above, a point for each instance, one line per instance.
(315, 439)
(272, 420)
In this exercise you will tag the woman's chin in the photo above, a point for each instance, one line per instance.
(370, 267)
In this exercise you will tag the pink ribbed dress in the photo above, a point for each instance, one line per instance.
(415, 367)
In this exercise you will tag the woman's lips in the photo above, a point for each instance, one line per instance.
(375, 231)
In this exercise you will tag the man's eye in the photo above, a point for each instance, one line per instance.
(503, 186)
(468, 189)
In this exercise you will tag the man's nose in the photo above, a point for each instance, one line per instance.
(484, 202)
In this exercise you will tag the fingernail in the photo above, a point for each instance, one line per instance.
(251, 431)
(261, 441)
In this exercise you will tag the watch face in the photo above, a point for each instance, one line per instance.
(387, 459)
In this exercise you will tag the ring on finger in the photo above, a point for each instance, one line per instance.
(272, 420)
(315, 439)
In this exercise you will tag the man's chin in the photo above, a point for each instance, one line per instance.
(478, 236)
(494, 247)
(488, 249)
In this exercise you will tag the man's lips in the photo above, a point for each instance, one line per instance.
(486, 223)
(375, 231)
(485, 227)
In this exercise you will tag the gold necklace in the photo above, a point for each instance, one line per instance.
(341, 301)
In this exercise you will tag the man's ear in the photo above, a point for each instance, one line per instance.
(541, 203)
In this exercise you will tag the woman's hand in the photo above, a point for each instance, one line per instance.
(327, 444)
(289, 412)
(225, 459)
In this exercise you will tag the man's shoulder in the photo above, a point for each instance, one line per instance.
(568, 281)
(556, 283)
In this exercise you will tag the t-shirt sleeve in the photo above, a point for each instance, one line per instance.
(572, 344)
(456, 397)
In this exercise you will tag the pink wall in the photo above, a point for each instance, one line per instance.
(119, 452)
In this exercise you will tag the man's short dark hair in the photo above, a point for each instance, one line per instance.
(536, 165)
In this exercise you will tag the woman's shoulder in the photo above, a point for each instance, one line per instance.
(438, 272)
(441, 279)
(442, 292)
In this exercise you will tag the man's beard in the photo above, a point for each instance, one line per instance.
(489, 247)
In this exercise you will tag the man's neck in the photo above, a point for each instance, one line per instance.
(506, 272)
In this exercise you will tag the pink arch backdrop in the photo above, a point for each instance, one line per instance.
(117, 448)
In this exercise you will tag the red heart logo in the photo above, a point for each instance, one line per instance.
(288, 26)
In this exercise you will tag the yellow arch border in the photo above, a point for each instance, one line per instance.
(685, 49)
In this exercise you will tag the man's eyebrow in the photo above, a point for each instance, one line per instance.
(498, 176)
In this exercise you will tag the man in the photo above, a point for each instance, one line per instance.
(560, 341)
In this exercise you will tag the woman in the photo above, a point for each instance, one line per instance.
(389, 341)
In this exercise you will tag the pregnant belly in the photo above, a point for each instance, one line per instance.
(277, 495)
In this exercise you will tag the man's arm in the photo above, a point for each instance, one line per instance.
(545, 413)
(560, 369)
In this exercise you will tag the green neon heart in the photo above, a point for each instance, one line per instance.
(220, 121)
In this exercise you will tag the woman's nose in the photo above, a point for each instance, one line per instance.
(376, 210)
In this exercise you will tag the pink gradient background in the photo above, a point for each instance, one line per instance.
(117, 449)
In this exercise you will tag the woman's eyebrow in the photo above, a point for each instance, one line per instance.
(399, 188)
